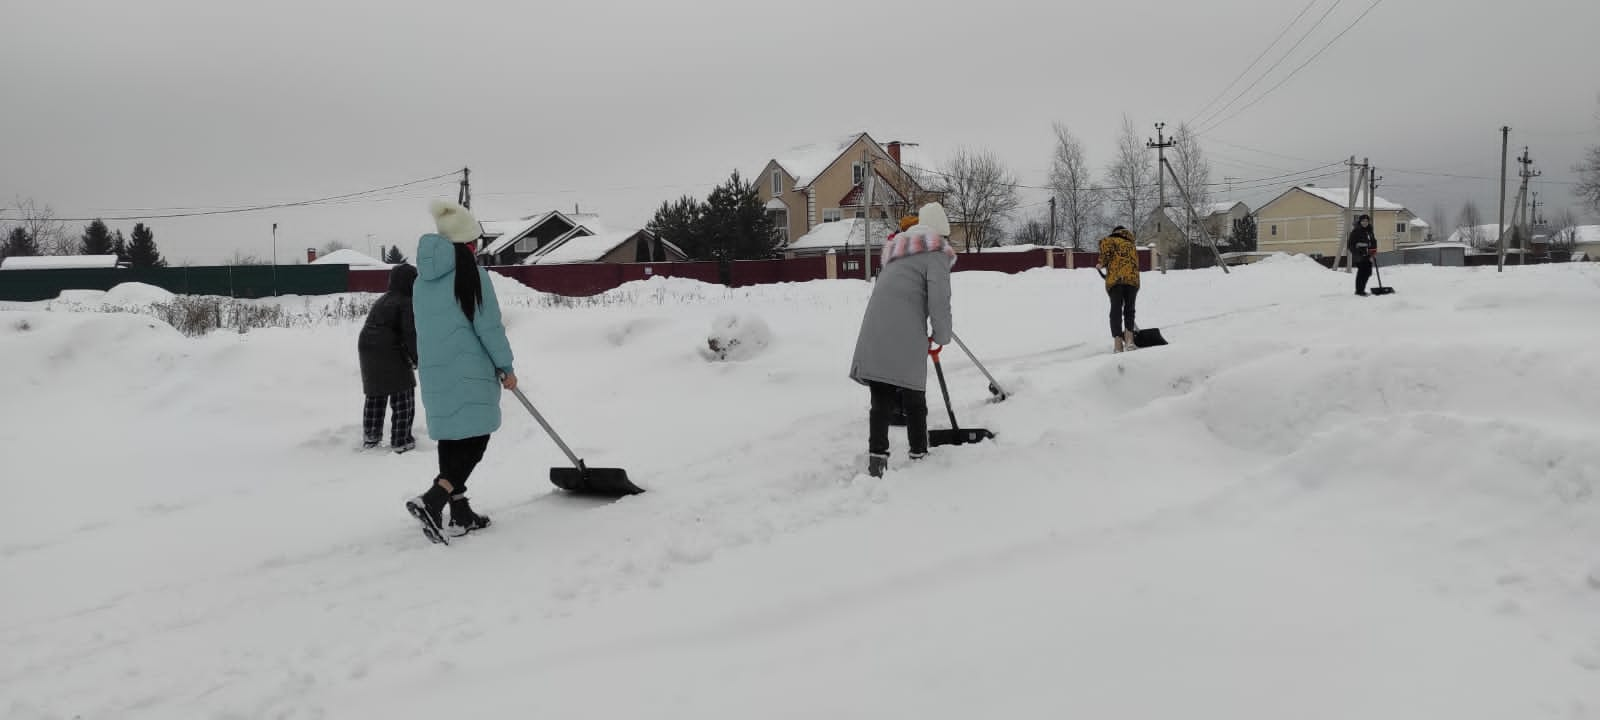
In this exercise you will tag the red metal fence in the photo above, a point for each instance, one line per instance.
(595, 278)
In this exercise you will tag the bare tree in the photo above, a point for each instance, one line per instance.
(979, 193)
(1189, 163)
(241, 258)
(1078, 201)
(1588, 187)
(1470, 223)
(1440, 221)
(48, 233)
(1566, 235)
(1033, 231)
(1131, 179)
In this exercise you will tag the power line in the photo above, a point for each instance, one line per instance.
(1102, 188)
(256, 208)
(1252, 64)
(1277, 62)
(1296, 71)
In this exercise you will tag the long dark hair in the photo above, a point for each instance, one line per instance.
(469, 289)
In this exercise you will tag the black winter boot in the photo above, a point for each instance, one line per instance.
(462, 519)
(876, 464)
(428, 509)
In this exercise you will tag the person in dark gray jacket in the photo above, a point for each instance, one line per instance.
(388, 350)
(891, 355)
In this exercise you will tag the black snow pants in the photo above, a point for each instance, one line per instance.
(886, 399)
(457, 458)
(1123, 298)
(1363, 273)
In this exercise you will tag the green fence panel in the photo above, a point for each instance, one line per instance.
(247, 281)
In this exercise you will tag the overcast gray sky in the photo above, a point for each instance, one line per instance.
(116, 106)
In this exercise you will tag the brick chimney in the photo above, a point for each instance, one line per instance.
(894, 151)
(311, 255)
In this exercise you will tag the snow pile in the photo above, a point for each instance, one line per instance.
(1379, 488)
(135, 293)
(737, 337)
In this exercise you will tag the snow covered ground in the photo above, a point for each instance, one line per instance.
(1309, 505)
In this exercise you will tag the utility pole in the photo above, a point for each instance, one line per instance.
(1052, 221)
(1526, 173)
(1505, 136)
(274, 259)
(1536, 219)
(869, 181)
(1372, 204)
(1357, 181)
(1161, 143)
(465, 196)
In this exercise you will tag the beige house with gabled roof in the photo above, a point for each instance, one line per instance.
(1310, 220)
(827, 182)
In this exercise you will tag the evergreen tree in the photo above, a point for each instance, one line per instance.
(394, 256)
(681, 223)
(119, 245)
(737, 226)
(96, 240)
(142, 252)
(1244, 234)
(20, 244)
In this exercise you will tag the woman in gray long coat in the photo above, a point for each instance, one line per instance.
(891, 356)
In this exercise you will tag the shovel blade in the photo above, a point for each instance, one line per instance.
(1383, 291)
(963, 436)
(602, 482)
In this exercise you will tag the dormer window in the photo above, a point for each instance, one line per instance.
(777, 183)
(858, 173)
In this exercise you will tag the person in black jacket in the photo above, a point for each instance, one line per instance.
(388, 350)
(1363, 245)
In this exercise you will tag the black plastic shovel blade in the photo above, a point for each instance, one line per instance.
(1383, 291)
(1149, 337)
(963, 436)
(603, 482)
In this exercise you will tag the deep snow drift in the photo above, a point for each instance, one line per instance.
(1309, 505)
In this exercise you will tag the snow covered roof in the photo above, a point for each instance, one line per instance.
(776, 204)
(506, 232)
(1437, 246)
(841, 233)
(1341, 197)
(1219, 208)
(1482, 233)
(578, 249)
(805, 162)
(58, 262)
(1419, 222)
(351, 258)
(1587, 235)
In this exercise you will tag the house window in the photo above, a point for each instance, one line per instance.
(1274, 230)
(860, 214)
(777, 183)
(834, 215)
(858, 173)
(1400, 228)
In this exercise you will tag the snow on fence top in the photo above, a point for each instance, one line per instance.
(58, 262)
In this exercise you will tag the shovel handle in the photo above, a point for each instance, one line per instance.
(944, 390)
(974, 359)
(549, 430)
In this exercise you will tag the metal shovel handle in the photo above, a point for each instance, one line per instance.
(550, 430)
(974, 359)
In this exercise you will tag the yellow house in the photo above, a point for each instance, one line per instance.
(1311, 221)
(827, 182)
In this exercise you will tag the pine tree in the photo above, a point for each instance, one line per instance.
(681, 222)
(142, 252)
(96, 240)
(20, 244)
(119, 245)
(1244, 234)
(737, 226)
(394, 256)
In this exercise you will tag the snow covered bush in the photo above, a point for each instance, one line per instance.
(737, 337)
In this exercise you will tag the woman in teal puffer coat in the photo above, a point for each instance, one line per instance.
(463, 360)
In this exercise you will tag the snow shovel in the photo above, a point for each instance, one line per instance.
(1381, 289)
(1143, 338)
(956, 435)
(582, 479)
(994, 387)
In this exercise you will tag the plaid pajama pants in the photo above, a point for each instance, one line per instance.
(404, 405)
